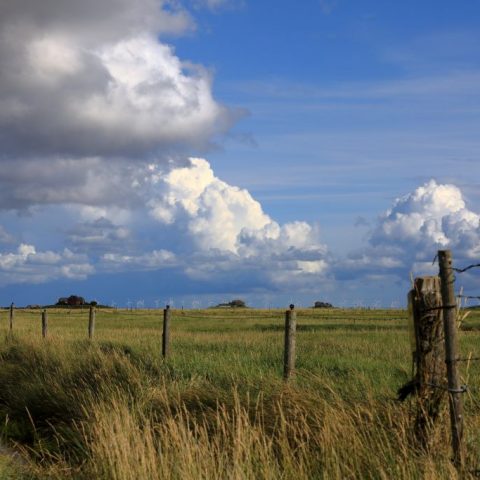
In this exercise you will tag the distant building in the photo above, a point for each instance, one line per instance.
(237, 303)
(71, 301)
(322, 305)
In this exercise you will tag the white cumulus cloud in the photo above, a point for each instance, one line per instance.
(214, 213)
(27, 265)
(228, 229)
(220, 216)
(433, 216)
(407, 236)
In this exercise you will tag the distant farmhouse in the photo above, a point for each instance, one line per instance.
(322, 305)
(237, 303)
(71, 301)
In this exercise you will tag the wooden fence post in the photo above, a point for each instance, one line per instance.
(91, 323)
(166, 331)
(425, 306)
(289, 352)
(455, 390)
(44, 324)
(12, 310)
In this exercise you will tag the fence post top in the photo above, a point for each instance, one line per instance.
(444, 254)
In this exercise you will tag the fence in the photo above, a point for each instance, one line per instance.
(434, 310)
(290, 331)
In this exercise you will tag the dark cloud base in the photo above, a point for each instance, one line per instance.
(160, 287)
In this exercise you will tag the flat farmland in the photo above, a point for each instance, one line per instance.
(218, 407)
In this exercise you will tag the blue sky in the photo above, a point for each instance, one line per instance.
(337, 144)
(370, 85)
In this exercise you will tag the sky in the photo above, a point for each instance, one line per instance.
(195, 151)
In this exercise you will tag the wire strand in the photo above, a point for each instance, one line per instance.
(461, 270)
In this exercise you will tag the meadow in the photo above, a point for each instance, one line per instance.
(218, 407)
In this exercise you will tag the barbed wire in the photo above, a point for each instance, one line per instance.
(233, 317)
(23, 312)
(463, 388)
(458, 270)
(461, 270)
(458, 359)
(52, 314)
(442, 307)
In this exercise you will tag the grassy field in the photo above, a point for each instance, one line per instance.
(218, 408)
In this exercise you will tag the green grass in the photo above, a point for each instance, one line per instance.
(219, 399)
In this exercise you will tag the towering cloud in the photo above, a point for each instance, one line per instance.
(433, 216)
(219, 218)
(408, 235)
(213, 212)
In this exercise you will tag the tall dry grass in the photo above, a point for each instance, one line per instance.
(288, 434)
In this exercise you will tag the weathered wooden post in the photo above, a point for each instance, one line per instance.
(12, 314)
(289, 352)
(44, 324)
(425, 308)
(91, 323)
(166, 331)
(455, 389)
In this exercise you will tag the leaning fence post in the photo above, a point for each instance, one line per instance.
(455, 390)
(289, 352)
(12, 310)
(166, 331)
(44, 324)
(426, 327)
(91, 322)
